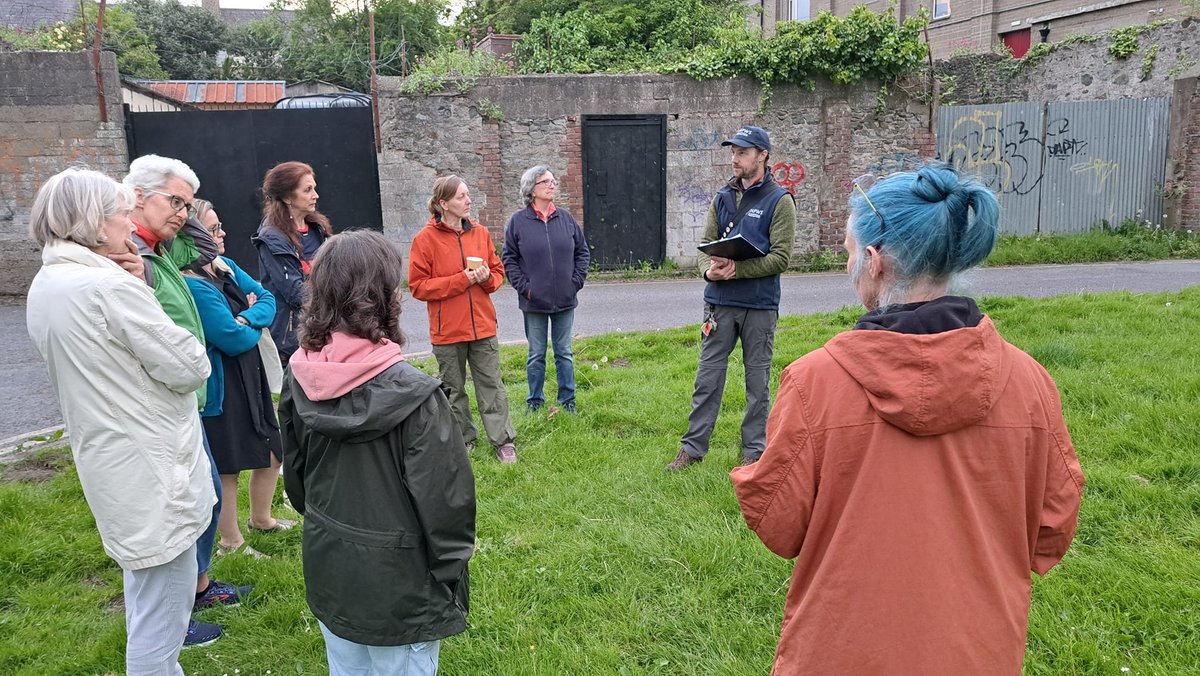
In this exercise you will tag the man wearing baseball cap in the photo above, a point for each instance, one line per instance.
(741, 300)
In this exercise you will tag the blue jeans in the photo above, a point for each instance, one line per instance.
(347, 658)
(204, 545)
(559, 324)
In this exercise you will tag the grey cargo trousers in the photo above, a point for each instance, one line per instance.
(756, 330)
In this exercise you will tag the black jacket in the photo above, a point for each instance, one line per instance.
(280, 272)
(546, 263)
(383, 480)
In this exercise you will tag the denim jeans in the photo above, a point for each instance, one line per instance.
(559, 324)
(347, 658)
(204, 545)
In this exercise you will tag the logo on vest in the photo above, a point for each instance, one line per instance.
(754, 213)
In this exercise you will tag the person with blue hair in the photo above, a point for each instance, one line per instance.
(917, 467)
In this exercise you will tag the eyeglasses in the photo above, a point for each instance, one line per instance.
(864, 183)
(176, 202)
(218, 227)
(552, 181)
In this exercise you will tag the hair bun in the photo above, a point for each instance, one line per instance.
(935, 184)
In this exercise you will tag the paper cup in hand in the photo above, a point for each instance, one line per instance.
(474, 262)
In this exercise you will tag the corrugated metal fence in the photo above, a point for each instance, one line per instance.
(1066, 166)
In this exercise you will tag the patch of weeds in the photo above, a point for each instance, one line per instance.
(40, 467)
(489, 110)
(1148, 63)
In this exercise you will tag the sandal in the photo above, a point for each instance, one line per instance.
(244, 548)
(280, 525)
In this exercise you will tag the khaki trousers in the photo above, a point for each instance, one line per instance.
(483, 356)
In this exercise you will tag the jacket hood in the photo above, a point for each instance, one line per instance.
(343, 364)
(387, 390)
(62, 251)
(927, 384)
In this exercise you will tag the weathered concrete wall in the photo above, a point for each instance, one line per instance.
(1182, 187)
(821, 140)
(1081, 71)
(49, 120)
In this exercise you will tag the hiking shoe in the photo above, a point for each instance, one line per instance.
(682, 461)
(201, 633)
(530, 409)
(470, 445)
(747, 460)
(280, 525)
(221, 593)
(507, 454)
(569, 407)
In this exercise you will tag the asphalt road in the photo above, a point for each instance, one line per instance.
(30, 403)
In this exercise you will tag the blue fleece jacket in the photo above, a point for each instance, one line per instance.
(223, 333)
(546, 263)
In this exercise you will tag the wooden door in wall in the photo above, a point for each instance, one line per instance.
(624, 189)
(1017, 41)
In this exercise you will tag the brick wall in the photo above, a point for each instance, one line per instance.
(49, 120)
(822, 139)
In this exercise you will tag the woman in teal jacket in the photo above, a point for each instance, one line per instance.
(239, 416)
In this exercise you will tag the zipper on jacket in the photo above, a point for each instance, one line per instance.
(470, 302)
(550, 249)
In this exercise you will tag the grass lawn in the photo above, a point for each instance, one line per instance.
(593, 560)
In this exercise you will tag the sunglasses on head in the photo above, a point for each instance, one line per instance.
(864, 183)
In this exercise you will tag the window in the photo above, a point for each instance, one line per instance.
(801, 10)
(941, 9)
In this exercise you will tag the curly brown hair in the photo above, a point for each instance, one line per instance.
(355, 288)
(279, 183)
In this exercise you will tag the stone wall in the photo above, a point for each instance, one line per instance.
(49, 120)
(822, 139)
(1081, 71)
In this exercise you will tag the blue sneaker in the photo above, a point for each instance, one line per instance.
(221, 593)
(201, 633)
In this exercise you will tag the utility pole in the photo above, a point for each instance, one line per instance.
(96, 62)
(374, 83)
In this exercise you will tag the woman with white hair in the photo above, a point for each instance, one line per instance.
(125, 376)
(918, 466)
(546, 258)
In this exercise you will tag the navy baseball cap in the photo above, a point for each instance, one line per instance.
(750, 137)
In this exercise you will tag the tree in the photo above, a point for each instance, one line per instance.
(187, 39)
(329, 40)
(134, 49)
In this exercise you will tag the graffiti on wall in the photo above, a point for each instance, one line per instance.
(1100, 170)
(694, 197)
(699, 139)
(890, 163)
(1006, 157)
(788, 174)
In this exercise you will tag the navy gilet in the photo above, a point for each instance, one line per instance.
(757, 293)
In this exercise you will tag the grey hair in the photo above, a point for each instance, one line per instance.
(529, 179)
(899, 285)
(73, 206)
(203, 206)
(153, 172)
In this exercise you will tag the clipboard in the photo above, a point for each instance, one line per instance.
(737, 248)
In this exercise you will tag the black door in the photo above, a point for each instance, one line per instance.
(231, 151)
(624, 188)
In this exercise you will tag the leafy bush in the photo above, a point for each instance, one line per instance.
(453, 62)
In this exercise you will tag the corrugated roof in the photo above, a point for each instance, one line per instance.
(220, 91)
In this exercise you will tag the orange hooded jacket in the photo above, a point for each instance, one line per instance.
(917, 480)
(459, 311)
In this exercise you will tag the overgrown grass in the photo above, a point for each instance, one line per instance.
(593, 560)
(1132, 241)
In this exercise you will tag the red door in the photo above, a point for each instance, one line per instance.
(1017, 41)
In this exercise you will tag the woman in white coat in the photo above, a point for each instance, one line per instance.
(126, 377)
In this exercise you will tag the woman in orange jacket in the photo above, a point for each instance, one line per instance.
(454, 268)
(918, 466)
